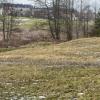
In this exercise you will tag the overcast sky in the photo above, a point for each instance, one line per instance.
(29, 1)
(92, 2)
(23, 1)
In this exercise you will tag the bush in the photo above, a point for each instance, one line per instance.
(96, 31)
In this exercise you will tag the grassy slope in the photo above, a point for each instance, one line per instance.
(56, 71)
(33, 22)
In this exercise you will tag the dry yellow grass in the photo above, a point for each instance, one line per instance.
(47, 71)
(77, 50)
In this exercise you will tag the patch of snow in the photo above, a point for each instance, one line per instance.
(8, 83)
(22, 98)
(22, 87)
(35, 83)
(14, 98)
(80, 94)
(42, 97)
(12, 92)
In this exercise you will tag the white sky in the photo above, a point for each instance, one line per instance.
(23, 1)
(29, 1)
(92, 2)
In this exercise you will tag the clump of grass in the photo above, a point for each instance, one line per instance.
(52, 83)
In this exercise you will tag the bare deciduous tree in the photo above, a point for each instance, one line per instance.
(8, 21)
(61, 18)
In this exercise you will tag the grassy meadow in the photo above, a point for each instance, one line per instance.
(49, 71)
(29, 23)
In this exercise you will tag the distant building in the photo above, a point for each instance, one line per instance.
(19, 9)
(43, 13)
(39, 12)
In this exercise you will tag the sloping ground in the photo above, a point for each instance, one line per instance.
(65, 71)
(83, 51)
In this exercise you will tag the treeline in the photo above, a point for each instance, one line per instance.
(68, 16)
(7, 21)
(72, 18)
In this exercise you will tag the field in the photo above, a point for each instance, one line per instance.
(30, 23)
(49, 71)
(28, 29)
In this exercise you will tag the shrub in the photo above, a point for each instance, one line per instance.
(96, 31)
